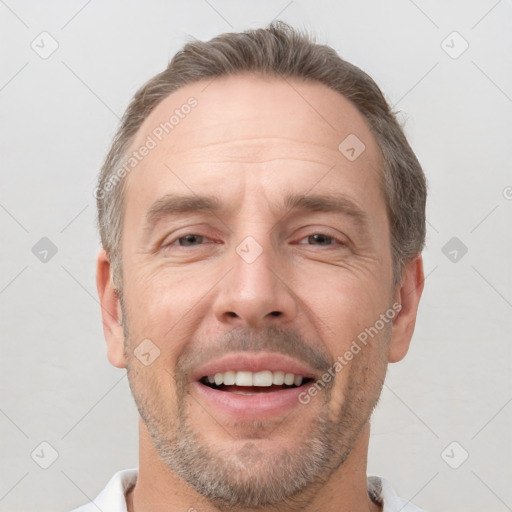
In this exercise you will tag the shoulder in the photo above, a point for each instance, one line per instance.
(112, 497)
(381, 492)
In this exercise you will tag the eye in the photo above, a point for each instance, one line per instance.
(188, 240)
(323, 240)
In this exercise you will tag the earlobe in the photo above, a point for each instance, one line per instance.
(110, 311)
(408, 294)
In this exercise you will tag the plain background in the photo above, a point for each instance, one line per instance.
(58, 117)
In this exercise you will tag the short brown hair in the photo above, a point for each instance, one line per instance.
(280, 51)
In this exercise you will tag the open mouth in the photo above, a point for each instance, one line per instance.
(250, 383)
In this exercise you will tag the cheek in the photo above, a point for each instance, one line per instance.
(359, 382)
(159, 305)
(155, 398)
(347, 314)
(346, 307)
(166, 308)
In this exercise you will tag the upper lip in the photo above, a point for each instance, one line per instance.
(255, 362)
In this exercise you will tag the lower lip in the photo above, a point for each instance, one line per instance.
(261, 405)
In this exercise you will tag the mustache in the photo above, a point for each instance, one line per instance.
(240, 339)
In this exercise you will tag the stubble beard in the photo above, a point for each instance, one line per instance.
(248, 477)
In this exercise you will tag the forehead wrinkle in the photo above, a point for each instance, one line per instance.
(255, 150)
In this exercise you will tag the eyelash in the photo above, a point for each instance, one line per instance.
(335, 239)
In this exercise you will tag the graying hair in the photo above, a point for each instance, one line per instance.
(275, 51)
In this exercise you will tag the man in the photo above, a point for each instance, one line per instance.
(262, 218)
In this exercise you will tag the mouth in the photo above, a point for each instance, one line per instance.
(249, 386)
(252, 383)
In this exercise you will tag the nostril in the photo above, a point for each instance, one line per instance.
(275, 313)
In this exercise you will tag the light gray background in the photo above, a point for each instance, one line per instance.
(58, 117)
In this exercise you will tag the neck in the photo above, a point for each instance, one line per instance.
(159, 489)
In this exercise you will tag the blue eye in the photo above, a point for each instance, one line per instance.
(189, 240)
(195, 240)
(323, 239)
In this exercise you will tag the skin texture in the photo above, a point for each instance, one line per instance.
(250, 142)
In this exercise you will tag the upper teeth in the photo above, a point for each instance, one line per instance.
(264, 378)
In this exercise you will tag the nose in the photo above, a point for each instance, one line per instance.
(257, 291)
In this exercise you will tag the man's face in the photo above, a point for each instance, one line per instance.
(268, 283)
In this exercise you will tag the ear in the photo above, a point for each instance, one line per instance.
(110, 311)
(407, 294)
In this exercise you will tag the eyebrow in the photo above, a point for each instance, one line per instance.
(173, 205)
(336, 203)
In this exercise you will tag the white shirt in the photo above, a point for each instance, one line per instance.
(113, 497)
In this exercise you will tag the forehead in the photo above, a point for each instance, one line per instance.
(231, 124)
(245, 106)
